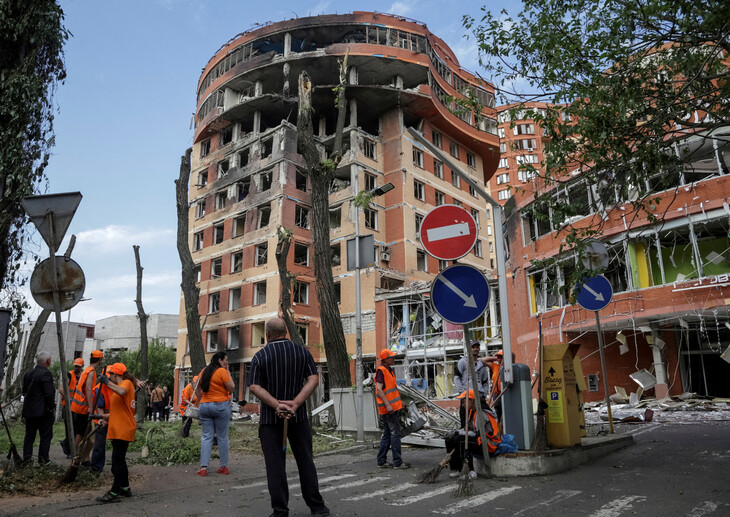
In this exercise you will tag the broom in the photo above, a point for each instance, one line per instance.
(73, 469)
(540, 439)
(465, 488)
(433, 474)
(17, 460)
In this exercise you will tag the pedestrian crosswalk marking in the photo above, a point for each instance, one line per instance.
(260, 483)
(351, 484)
(704, 508)
(560, 495)
(323, 480)
(416, 498)
(391, 490)
(618, 506)
(474, 501)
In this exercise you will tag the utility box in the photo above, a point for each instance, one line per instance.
(563, 415)
(517, 406)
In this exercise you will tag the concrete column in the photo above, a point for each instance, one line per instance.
(258, 89)
(256, 122)
(353, 113)
(353, 77)
(287, 44)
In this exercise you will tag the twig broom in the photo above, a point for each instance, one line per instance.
(432, 475)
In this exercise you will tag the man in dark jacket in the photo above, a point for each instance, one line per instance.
(38, 408)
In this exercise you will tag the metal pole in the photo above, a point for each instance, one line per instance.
(358, 332)
(603, 371)
(61, 346)
(477, 402)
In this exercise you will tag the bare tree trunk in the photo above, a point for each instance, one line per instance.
(143, 354)
(191, 292)
(282, 251)
(321, 173)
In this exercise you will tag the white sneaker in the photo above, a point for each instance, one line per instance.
(454, 474)
(472, 474)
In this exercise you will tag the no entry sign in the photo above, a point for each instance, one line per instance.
(448, 232)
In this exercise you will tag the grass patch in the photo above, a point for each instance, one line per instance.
(37, 480)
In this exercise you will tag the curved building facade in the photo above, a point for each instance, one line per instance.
(247, 178)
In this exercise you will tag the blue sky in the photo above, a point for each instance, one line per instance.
(123, 121)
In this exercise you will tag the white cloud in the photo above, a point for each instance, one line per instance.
(402, 7)
(320, 8)
(116, 238)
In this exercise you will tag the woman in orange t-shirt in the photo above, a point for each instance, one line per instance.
(214, 393)
(121, 428)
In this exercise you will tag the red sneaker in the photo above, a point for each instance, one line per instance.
(203, 472)
(223, 470)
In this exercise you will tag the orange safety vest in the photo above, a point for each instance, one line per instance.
(71, 388)
(187, 393)
(491, 430)
(79, 404)
(390, 388)
(496, 381)
(107, 394)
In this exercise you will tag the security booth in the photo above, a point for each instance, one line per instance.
(564, 411)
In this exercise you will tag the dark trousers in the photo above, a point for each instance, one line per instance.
(390, 438)
(119, 465)
(157, 409)
(43, 425)
(187, 422)
(98, 453)
(455, 442)
(166, 413)
(300, 439)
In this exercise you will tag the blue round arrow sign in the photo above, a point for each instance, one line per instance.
(460, 294)
(594, 294)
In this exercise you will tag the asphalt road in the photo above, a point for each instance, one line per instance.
(672, 469)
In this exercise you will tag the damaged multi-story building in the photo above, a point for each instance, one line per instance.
(247, 179)
(669, 316)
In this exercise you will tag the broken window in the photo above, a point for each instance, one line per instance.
(439, 198)
(526, 144)
(419, 220)
(336, 258)
(419, 190)
(220, 199)
(453, 149)
(475, 215)
(243, 157)
(198, 241)
(417, 157)
(264, 213)
(262, 253)
(226, 136)
(478, 248)
(214, 302)
(335, 217)
(301, 216)
(265, 178)
(234, 339)
(436, 139)
(223, 167)
(471, 160)
(259, 293)
(204, 148)
(438, 169)
(202, 179)
(677, 257)
(421, 263)
(617, 272)
(456, 202)
(267, 146)
(368, 148)
(200, 209)
(242, 188)
(303, 332)
(236, 262)
(216, 267)
(371, 218)
(443, 264)
(301, 254)
(524, 129)
(239, 225)
(234, 298)
(338, 292)
(455, 180)
(473, 191)
(218, 233)
(371, 181)
(713, 246)
(301, 181)
(300, 292)
(212, 340)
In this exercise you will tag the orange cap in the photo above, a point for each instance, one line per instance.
(97, 354)
(117, 368)
(463, 395)
(499, 354)
(385, 353)
(78, 361)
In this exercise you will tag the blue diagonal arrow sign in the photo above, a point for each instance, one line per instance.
(594, 294)
(460, 294)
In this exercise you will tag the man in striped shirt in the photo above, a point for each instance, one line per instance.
(283, 375)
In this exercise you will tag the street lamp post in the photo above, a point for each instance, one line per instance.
(378, 191)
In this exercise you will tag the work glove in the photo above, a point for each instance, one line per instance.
(104, 380)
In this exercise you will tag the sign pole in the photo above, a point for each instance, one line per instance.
(603, 371)
(61, 345)
(477, 401)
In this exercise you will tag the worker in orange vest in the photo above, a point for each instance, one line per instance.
(188, 399)
(389, 406)
(103, 396)
(73, 379)
(82, 403)
(455, 440)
